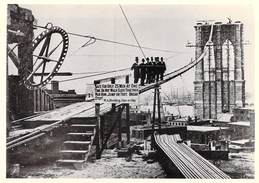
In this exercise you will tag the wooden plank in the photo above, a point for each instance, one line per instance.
(62, 113)
(91, 112)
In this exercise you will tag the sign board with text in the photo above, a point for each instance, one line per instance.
(116, 93)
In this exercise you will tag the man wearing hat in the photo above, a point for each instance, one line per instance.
(163, 68)
(143, 72)
(149, 70)
(157, 69)
(152, 70)
(135, 67)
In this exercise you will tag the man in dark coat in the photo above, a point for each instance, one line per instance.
(152, 70)
(143, 72)
(163, 68)
(148, 70)
(136, 69)
(157, 69)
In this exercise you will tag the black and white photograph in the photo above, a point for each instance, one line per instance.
(129, 90)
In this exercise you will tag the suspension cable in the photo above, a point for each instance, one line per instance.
(132, 31)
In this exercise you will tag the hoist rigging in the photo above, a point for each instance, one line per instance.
(118, 42)
(44, 59)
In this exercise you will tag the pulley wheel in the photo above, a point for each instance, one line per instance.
(49, 51)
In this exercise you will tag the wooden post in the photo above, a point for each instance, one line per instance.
(154, 117)
(98, 124)
(119, 130)
(45, 102)
(23, 20)
(35, 101)
(102, 132)
(158, 109)
(40, 102)
(128, 116)
(113, 82)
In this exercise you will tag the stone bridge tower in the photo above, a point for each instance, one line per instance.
(219, 84)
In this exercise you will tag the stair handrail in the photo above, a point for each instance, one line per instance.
(90, 145)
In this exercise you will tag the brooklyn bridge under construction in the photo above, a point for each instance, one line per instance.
(73, 112)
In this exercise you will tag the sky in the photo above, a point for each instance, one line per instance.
(158, 26)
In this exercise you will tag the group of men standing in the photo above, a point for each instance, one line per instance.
(150, 71)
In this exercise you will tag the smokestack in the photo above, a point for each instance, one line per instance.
(55, 87)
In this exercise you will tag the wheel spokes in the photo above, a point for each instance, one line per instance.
(43, 70)
(54, 49)
(45, 44)
(29, 77)
(45, 48)
(46, 58)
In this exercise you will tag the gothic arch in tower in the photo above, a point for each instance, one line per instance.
(228, 61)
(209, 63)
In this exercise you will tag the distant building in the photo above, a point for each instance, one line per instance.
(219, 84)
(204, 134)
(176, 122)
(240, 130)
(243, 126)
(243, 114)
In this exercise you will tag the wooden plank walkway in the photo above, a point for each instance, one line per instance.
(80, 109)
(64, 112)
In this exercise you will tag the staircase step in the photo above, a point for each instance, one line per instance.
(77, 142)
(79, 136)
(83, 120)
(82, 134)
(74, 151)
(70, 161)
(83, 125)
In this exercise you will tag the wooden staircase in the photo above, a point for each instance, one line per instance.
(78, 144)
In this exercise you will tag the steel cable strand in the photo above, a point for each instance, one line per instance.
(182, 157)
(188, 154)
(211, 173)
(144, 89)
(174, 159)
(171, 149)
(189, 162)
(209, 164)
(176, 138)
(221, 173)
(201, 56)
(198, 157)
(181, 69)
(200, 160)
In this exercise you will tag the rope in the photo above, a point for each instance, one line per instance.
(92, 75)
(119, 43)
(132, 31)
(93, 72)
(88, 43)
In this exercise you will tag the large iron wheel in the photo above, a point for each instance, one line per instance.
(49, 51)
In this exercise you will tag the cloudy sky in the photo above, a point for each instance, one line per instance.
(158, 26)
